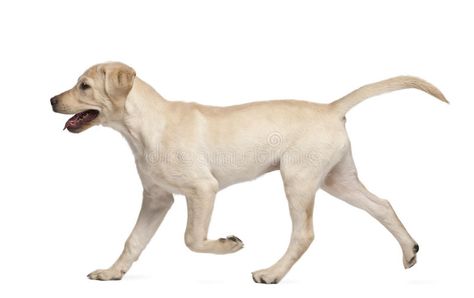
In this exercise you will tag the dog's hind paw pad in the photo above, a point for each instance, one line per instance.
(234, 238)
(232, 243)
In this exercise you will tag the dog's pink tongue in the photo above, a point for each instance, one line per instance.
(72, 122)
(78, 120)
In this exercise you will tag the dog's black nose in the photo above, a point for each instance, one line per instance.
(54, 100)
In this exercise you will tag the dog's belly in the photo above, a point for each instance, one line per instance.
(229, 175)
(175, 177)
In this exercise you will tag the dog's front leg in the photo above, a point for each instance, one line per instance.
(200, 203)
(154, 208)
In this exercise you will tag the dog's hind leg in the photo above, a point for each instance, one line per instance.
(343, 183)
(154, 208)
(301, 182)
(200, 202)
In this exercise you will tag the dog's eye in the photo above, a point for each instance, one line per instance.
(84, 86)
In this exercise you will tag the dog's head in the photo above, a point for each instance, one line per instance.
(98, 97)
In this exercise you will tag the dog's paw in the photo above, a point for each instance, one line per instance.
(409, 258)
(267, 276)
(231, 244)
(106, 274)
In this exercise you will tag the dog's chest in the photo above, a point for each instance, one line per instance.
(164, 173)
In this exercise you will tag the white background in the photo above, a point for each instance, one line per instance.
(69, 201)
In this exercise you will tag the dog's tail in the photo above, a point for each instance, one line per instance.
(344, 104)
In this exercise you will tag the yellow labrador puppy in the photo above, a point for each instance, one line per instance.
(197, 150)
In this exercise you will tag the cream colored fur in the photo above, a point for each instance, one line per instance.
(197, 150)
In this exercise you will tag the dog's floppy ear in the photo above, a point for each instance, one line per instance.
(118, 79)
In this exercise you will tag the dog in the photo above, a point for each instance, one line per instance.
(184, 148)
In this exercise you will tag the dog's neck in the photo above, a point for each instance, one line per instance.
(142, 108)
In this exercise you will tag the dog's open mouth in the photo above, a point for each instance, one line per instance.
(79, 120)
